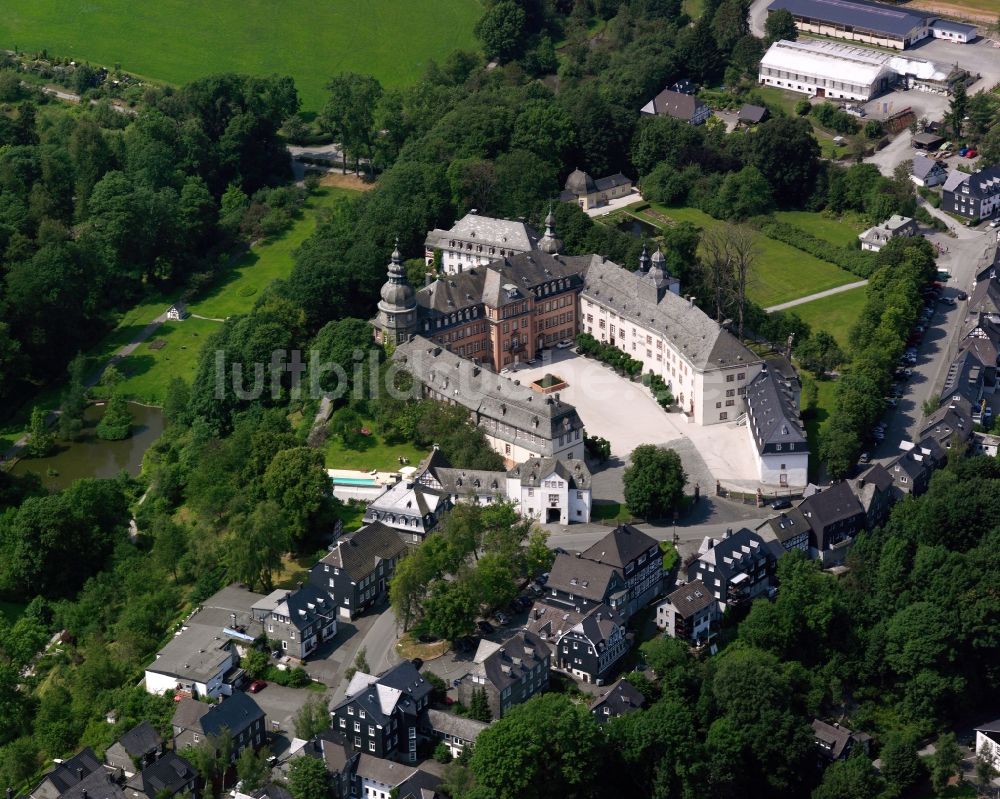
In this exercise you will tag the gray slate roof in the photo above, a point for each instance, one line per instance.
(619, 547)
(170, 773)
(774, 412)
(235, 713)
(831, 505)
(876, 17)
(691, 598)
(787, 525)
(674, 104)
(141, 739)
(359, 555)
(65, 775)
(620, 698)
(689, 329)
(488, 231)
(471, 482)
(923, 166)
(448, 723)
(580, 577)
(752, 113)
(514, 660)
(573, 470)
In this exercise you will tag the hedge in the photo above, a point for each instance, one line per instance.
(857, 262)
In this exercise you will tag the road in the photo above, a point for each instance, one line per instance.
(967, 253)
(758, 16)
(379, 643)
(817, 296)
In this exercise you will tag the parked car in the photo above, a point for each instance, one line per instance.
(892, 402)
(456, 682)
(963, 151)
(485, 627)
(962, 296)
(257, 686)
(502, 617)
(995, 222)
(946, 300)
(564, 344)
(971, 153)
(864, 458)
(781, 503)
(536, 589)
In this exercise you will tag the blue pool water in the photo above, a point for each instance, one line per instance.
(354, 481)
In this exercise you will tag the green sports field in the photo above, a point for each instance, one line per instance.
(178, 40)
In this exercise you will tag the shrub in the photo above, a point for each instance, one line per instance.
(856, 262)
(659, 388)
(608, 353)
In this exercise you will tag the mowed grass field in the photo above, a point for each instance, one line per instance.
(177, 41)
(835, 314)
(781, 273)
(823, 227)
(376, 455)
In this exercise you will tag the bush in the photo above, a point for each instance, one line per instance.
(856, 262)
(608, 353)
(659, 388)
(597, 448)
(442, 754)
(873, 129)
(829, 116)
(803, 107)
(290, 678)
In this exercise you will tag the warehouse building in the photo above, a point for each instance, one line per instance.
(873, 23)
(826, 69)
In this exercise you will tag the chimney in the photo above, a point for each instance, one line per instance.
(691, 301)
(79, 774)
(729, 532)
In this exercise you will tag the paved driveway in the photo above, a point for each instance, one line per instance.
(281, 704)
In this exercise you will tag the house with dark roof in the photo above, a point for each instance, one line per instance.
(509, 673)
(985, 298)
(69, 773)
(896, 226)
(910, 472)
(690, 612)
(100, 784)
(790, 529)
(988, 742)
(679, 105)
(636, 556)
(139, 747)
(301, 620)
(928, 171)
(239, 715)
(408, 508)
(378, 778)
(171, 776)
(456, 732)
(591, 650)
(775, 428)
(975, 196)
(952, 422)
(357, 570)
(736, 569)
(585, 191)
(836, 742)
(752, 115)
(835, 517)
(582, 584)
(475, 240)
(551, 490)
(874, 491)
(385, 715)
(858, 20)
(620, 699)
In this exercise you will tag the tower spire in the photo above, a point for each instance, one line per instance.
(550, 243)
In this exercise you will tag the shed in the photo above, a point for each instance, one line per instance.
(927, 141)
(753, 114)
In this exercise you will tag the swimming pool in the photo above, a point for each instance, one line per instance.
(354, 481)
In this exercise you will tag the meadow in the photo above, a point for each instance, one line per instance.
(836, 314)
(781, 273)
(836, 231)
(375, 454)
(176, 41)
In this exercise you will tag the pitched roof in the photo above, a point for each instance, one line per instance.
(923, 166)
(387, 772)
(533, 471)
(774, 412)
(693, 333)
(955, 178)
(459, 726)
(954, 27)
(513, 660)
(170, 773)
(359, 554)
(305, 606)
(401, 688)
(581, 577)
(691, 598)
(875, 17)
(612, 182)
(752, 113)
(985, 298)
(832, 738)
(831, 505)
(674, 104)
(67, 774)
(141, 739)
(488, 231)
(620, 547)
(235, 713)
(787, 525)
(953, 418)
(730, 555)
(619, 699)
(550, 623)
(98, 784)
(472, 482)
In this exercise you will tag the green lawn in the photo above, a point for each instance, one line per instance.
(177, 40)
(782, 272)
(836, 314)
(835, 231)
(376, 455)
(609, 510)
(273, 259)
(815, 421)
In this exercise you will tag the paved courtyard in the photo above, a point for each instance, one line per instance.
(625, 413)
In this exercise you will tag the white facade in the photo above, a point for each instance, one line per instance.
(710, 397)
(158, 682)
(826, 69)
(987, 746)
(476, 240)
(781, 468)
(701, 622)
(554, 501)
(950, 32)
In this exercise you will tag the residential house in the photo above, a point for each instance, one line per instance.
(509, 673)
(378, 778)
(169, 776)
(588, 193)
(301, 620)
(691, 612)
(476, 240)
(680, 106)
(975, 196)
(239, 715)
(952, 31)
(384, 715)
(835, 517)
(928, 172)
(835, 742)
(874, 490)
(619, 700)
(896, 226)
(637, 557)
(985, 444)
(789, 528)
(583, 584)
(775, 428)
(456, 732)
(751, 115)
(985, 298)
(952, 422)
(551, 490)
(139, 747)
(357, 570)
(100, 784)
(735, 569)
(910, 472)
(592, 649)
(177, 312)
(408, 508)
(988, 742)
(67, 774)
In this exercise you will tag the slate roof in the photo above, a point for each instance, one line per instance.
(197, 653)
(305, 606)
(674, 104)
(97, 785)
(387, 772)
(459, 726)
(953, 418)
(419, 785)
(965, 376)
(488, 395)
(985, 298)
(358, 555)
(512, 661)
(598, 625)
(235, 713)
(689, 329)
(691, 598)
(406, 497)
(985, 182)
(620, 698)
(833, 739)
(400, 689)
(488, 231)
(581, 577)
(752, 113)
(612, 182)
(890, 20)
(533, 471)
(991, 730)
(550, 623)
(728, 555)
(64, 775)
(787, 525)
(923, 166)
(472, 482)
(774, 412)
(955, 178)
(619, 547)
(834, 504)
(170, 773)
(141, 739)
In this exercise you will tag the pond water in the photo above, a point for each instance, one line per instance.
(92, 457)
(639, 229)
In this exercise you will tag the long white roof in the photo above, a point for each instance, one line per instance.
(828, 59)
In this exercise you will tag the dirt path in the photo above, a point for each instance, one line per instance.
(348, 181)
(817, 296)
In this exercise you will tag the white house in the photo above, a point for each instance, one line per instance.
(475, 240)
(195, 660)
(953, 31)
(689, 612)
(177, 312)
(988, 742)
(775, 427)
(928, 171)
(896, 226)
(551, 490)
